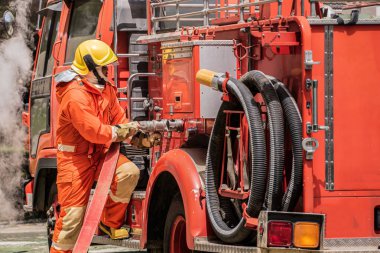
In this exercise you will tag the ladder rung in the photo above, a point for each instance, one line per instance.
(131, 55)
(137, 62)
(134, 99)
(190, 5)
(139, 99)
(185, 19)
(139, 52)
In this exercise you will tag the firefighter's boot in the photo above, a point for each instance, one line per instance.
(114, 233)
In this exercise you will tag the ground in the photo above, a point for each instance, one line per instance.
(31, 237)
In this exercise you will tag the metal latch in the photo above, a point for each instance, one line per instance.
(310, 145)
(314, 127)
(309, 62)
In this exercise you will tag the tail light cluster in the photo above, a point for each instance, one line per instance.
(299, 234)
(290, 230)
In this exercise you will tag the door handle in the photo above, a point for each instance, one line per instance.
(55, 52)
(313, 126)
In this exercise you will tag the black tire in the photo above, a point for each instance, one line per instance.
(154, 250)
(176, 209)
(50, 224)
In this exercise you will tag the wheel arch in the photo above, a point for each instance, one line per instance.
(45, 176)
(178, 170)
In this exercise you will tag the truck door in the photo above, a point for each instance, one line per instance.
(79, 23)
(41, 85)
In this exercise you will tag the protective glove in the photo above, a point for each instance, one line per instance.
(143, 140)
(124, 131)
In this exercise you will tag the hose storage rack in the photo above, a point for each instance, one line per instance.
(250, 137)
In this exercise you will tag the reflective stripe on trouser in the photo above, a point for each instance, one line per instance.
(73, 197)
(124, 182)
(53, 250)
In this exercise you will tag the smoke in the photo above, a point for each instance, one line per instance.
(15, 67)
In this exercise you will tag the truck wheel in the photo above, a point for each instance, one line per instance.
(154, 250)
(175, 228)
(52, 213)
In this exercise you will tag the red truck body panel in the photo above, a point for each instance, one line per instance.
(342, 179)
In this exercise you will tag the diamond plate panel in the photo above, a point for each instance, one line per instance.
(203, 244)
(128, 243)
(352, 243)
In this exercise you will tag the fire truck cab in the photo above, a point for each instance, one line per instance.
(271, 120)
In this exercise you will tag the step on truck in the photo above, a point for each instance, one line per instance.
(270, 113)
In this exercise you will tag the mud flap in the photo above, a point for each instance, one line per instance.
(95, 209)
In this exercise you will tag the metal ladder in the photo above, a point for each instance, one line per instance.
(129, 89)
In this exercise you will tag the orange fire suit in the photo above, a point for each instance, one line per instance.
(84, 134)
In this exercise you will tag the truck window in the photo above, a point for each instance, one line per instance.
(50, 58)
(43, 47)
(40, 90)
(83, 23)
(45, 60)
(39, 112)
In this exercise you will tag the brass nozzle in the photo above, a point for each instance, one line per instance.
(205, 77)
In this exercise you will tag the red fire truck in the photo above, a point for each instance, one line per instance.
(270, 112)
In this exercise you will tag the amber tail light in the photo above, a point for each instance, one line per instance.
(306, 235)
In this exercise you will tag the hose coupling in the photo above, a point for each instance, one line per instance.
(162, 125)
(211, 78)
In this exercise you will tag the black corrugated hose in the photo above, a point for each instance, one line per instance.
(293, 121)
(258, 163)
(257, 81)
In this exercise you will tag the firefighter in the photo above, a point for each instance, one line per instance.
(90, 118)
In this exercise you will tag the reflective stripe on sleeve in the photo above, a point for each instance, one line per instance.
(66, 148)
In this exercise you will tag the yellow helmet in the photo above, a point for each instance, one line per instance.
(91, 54)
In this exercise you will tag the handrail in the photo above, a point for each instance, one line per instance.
(129, 89)
(154, 5)
(189, 5)
(209, 11)
(205, 12)
(115, 42)
(337, 1)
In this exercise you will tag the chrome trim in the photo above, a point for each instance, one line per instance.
(198, 43)
(138, 195)
(366, 21)
(329, 108)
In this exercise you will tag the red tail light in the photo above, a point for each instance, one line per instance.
(279, 234)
